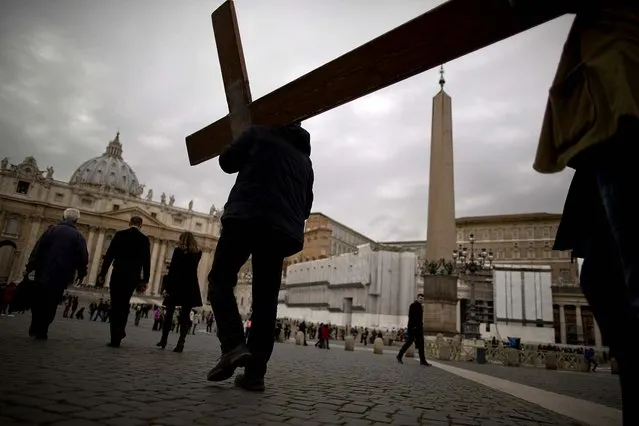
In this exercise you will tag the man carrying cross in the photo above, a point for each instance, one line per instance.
(263, 219)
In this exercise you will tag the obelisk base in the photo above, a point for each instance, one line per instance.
(440, 304)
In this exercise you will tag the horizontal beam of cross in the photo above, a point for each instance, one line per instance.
(452, 30)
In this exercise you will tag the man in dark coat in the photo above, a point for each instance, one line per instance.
(130, 254)
(263, 218)
(415, 330)
(59, 253)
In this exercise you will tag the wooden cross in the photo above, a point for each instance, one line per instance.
(440, 35)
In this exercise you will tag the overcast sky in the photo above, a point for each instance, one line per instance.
(73, 72)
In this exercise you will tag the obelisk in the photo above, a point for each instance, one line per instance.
(440, 289)
(441, 235)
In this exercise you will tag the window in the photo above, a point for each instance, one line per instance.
(154, 215)
(177, 221)
(516, 253)
(486, 235)
(531, 234)
(12, 227)
(531, 253)
(86, 202)
(198, 226)
(546, 232)
(564, 275)
(116, 207)
(59, 196)
(515, 234)
(546, 253)
(23, 187)
(500, 234)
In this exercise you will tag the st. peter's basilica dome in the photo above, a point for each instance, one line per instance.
(109, 171)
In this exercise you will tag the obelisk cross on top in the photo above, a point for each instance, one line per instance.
(233, 66)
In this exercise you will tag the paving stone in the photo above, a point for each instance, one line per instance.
(73, 422)
(378, 417)
(352, 408)
(61, 408)
(123, 421)
(86, 383)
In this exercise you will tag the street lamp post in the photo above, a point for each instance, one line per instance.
(469, 262)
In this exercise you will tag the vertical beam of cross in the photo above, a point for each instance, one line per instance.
(233, 66)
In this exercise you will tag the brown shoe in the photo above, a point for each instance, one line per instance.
(238, 357)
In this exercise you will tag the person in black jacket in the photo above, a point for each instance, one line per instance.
(56, 257)
(415, 330)
(130, 254)
(263, 218)
(182, 288)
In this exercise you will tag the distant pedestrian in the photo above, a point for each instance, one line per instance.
(415, 331)
(589, 355)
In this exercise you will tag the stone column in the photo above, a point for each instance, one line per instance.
(580, 325)
(458, 314)
(203, 272)
(598, 339)
(154, 257)
(107, 279)
(90, 242)
(562, 324)
(97, 254)
(157, 282)
(441, 231)
(34, 234)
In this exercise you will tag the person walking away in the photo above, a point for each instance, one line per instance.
(80, 314)
(7, 299)
(156, 318)
(182, 289)
(57, 257)
(415, 331)
(209, 322)
(591, 125)
(195, 320)
(74, 306)
(320, 337)
(589, 355)
(138, 315)
(325, 333)
(263, 219)
(302, 328)
(130, 254)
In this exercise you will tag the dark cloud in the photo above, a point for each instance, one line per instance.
(72, 73)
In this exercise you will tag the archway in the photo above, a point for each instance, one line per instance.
(7, 256)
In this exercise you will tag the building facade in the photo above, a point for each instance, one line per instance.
(107, 192)
(371, 287)
(517, 239)
(325, 237)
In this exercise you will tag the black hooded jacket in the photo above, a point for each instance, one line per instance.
(274, 185)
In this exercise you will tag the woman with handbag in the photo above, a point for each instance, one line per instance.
(182, 288)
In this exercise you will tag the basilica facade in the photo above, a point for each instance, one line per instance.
(108, 193)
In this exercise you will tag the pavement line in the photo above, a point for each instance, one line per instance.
(586, 412)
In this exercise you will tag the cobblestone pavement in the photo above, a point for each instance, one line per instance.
(600, 387)
(74, 379)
